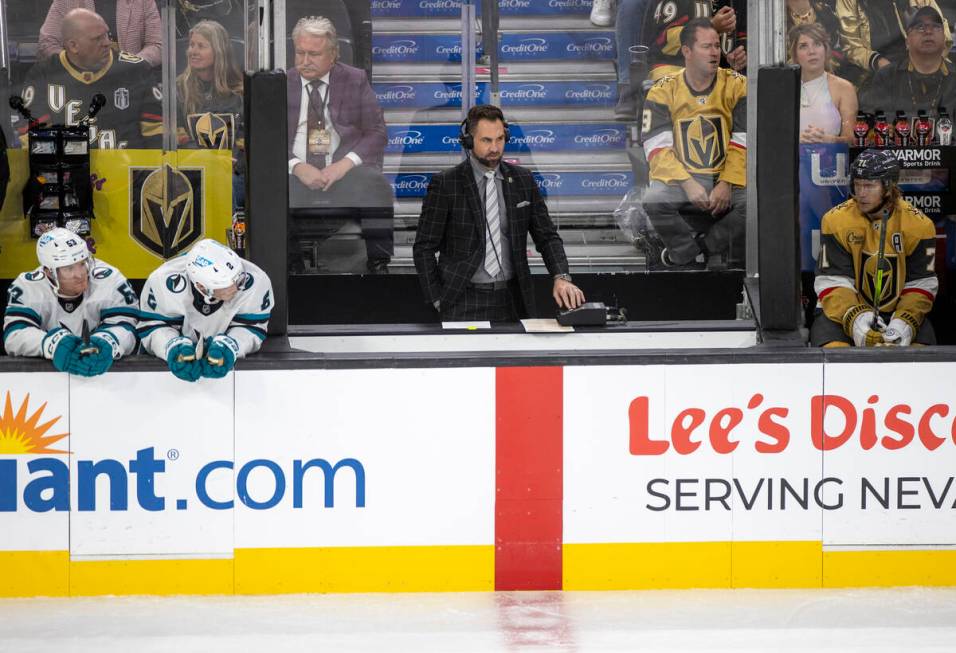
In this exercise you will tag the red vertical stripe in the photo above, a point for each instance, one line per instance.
(529, 484)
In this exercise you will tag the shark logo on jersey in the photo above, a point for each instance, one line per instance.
(167, 211)
(101, 273)
(36, 275)
(248, 282)
(176, 283)
(213, 131)
(121, 98)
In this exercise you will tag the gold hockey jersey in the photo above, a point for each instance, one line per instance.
(689, 133)
(847, 264)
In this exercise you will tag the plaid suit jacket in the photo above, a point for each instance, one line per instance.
(450, 242)
(139, 27)
(356, 113)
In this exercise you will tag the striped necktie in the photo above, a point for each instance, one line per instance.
(492, 243)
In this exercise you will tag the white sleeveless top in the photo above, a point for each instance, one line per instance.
(817, 108)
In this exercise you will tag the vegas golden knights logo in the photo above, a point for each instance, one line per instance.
(702, 142)
(213, 131)
(890, 286)
(167, 213)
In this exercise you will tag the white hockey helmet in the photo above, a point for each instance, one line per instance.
(58, 248)
(211, 266)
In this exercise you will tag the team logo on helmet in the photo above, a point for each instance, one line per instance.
(167, 215)
(176, 283)
(702, 141)
(213, 131)
(121, 98)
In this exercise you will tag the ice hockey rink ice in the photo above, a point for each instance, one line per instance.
(904, 619)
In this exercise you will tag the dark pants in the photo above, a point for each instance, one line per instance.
(684, 228)
(362, 195)
(824, 331)
(485, 304)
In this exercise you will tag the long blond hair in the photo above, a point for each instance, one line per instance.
(226, 78)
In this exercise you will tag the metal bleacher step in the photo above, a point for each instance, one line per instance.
(541, 44)
(526, 137)
(451, 71)
(557, 86)
(451, 9)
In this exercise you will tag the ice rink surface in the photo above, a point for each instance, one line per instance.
(907, 619)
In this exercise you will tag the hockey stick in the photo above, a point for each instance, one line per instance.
(880, 257)
(87, 347)
(192, 357)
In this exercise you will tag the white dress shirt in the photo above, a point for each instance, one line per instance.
(299, 153)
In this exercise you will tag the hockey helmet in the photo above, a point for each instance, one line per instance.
(58, 248)
(212, 266)
(878, 165)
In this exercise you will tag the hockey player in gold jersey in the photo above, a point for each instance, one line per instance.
(875, 279)
(695, 137)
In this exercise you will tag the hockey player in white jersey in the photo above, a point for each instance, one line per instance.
(51, 309)
(204, 310)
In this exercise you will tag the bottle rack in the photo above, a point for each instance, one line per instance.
(58, 192)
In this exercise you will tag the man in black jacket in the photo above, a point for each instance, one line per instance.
(478, 231)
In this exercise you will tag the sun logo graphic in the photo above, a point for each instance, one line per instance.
(26, 435)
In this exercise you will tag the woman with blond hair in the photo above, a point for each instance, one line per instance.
(828, 104)
(209, 97)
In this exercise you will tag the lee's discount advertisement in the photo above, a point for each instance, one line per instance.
(848, 454)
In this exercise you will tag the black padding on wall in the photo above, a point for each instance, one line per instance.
(778, 224)
(267, 185)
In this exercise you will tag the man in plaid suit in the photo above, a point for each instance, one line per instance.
(475, 219)
(337, 140)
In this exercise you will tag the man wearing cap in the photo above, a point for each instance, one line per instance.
(923, 80)
(873, 32)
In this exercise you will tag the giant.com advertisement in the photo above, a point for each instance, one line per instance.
(137, 464)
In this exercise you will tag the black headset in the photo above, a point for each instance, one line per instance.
(467, 140)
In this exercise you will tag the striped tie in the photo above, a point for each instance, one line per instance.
(492, 244)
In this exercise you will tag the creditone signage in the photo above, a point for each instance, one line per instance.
(568, 46)
(423, 95)
(418, 48)
(551, 184)
(416, 8)
(525, 138)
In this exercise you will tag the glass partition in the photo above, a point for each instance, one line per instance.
(873, 75)
(374, 106)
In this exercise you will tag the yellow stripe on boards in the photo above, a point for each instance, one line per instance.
(154, 577)
(655, 565)
(34, 573)
(366, 569)
(777, 564)
(889, 568)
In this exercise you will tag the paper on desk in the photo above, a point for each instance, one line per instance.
(466, 325)
(545, 326)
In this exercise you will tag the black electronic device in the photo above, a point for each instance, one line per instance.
(591, 314)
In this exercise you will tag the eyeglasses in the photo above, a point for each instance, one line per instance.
(923, 28)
